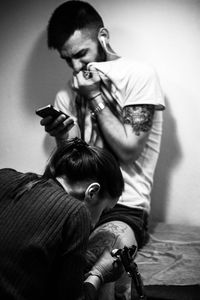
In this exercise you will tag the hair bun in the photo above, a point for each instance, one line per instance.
(79, 144)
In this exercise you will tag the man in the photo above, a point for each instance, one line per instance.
(45, 222)
(113, 103)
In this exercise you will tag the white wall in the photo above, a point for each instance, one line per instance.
(165, 33)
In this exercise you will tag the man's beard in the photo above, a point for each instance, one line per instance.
(101, 55)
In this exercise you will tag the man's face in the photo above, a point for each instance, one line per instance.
(80, 49)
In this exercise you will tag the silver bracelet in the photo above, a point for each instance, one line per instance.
(97, 108)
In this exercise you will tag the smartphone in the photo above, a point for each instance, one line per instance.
(49, 110)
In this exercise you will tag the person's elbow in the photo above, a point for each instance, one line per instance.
(132, 147)
(130, 154)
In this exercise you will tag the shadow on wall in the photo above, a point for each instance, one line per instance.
(170, 155)
(44, 76)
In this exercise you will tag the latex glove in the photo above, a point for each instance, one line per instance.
(107, 268)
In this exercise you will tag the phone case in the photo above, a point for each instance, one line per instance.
(49, 110)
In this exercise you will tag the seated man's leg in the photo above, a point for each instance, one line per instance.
(111, 235)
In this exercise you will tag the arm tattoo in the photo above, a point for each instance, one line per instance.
(140, 117)
(105, 236)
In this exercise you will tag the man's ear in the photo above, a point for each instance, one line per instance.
(103, 36)
(92, 190)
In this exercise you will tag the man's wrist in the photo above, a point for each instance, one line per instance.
(96, 104)
(95, 96)
(97, 108)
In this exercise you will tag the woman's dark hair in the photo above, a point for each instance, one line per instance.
(78, 161)
(68, 17)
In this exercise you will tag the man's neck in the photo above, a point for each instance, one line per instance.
(111, 54)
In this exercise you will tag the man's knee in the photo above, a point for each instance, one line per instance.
(125, 236)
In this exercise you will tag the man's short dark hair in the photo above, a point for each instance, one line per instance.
(68, 17)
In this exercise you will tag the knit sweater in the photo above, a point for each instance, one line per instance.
(43, 238)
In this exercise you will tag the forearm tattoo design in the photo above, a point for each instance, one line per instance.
(140, 117)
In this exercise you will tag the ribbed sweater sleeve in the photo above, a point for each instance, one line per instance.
(43, 237)
(72, 271)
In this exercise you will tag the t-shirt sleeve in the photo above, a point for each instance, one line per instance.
(144, 88)
(75, 238)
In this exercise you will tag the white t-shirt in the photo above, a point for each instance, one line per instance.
(132, 83)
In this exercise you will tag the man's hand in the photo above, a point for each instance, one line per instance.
(87, 83)
(58, 127)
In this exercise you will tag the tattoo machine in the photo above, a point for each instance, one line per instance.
(126, 256)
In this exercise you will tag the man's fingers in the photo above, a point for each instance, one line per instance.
(59, 124)
(61, 129)
(94, 73)
(46, 121)
(75, 85)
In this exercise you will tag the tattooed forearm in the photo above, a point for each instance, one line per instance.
(140, 117)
